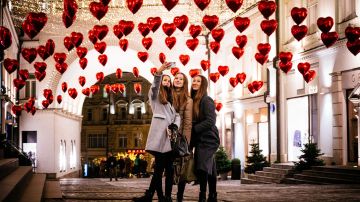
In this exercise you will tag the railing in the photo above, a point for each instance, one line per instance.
(13, 151)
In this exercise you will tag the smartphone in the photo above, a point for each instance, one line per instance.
(172, 64)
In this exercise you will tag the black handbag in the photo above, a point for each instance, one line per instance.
(179, 144)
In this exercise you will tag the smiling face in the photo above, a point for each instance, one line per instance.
(196, 83)
(166, 81)
(179, 81)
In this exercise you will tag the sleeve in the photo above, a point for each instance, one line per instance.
(207, 108)
(187, 121)
(154, 89)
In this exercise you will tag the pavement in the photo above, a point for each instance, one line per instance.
(101, 189)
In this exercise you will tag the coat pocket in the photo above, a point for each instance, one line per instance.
(160, 116)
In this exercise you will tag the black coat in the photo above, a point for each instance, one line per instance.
(205, 136)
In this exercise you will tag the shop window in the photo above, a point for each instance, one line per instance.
(123, 142)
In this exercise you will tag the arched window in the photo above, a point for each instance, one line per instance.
(137, 107)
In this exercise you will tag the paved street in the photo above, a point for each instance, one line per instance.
(77, 189)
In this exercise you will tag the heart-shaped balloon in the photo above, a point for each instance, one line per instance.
(214, 77)
(59, 57)
(33, 110)
(251, 88)
(241, 77)
(202, 4)
(11, 65)
(92, 36)
(237, 52)
(234, 5)
(264, 48)
(194, 72)
(37, 19)
(5, 38)
(241, 23)
(29, 29)
(100, 76)
(29, 54)
(59, 99)
(123, 43)
(19, 83)
(51, 99)
(64, 86)
(40, 75)
(117, 31)
(181, 22)
(257, 85)
(122, 87)
(81, 51)
(184, 59)
(107, 88)
(24, 74)
(299, 32)
(352, 33)
(195, 30)
(27, 107)
(329, 38)
(86, 91)
(16, 109)
(241, 40)
(285, 67)
(205, 64)
(325, 24)
(136, 72)
(126, 27)
(101, 31)
(115, 88)
(267, 8)
(143, 56)
(68, 43)
(76, 38)
(223, 70)
(72, 92)
(144, 29)
(154, 23)
(260, 58)
(169, 4)
(41, 50)
(94, 89)
(309, 75)
(118, 73)
(83, 63)
(40, 66)
(153, 70)
(147, 42)
(218, 34)
(218, 106)
(303, 67)
(47, 93)
(268, 26)
(100, 47)
(233, 81)
(298, 14)
(45, 104)
(215, 46)
(285, 57)
(50, 46)
(174, 70)
(82, 80)
(192, 43)
(210, 21)
(169, 28)
(67, 20)
(162, 57)
(134, 5)
(170, 42)
(354, 47)
(102, 59)
(98, 10)
(61, 67)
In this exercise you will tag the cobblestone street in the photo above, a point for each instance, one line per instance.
(77, 189)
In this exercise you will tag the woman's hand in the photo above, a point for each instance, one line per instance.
(164, 66)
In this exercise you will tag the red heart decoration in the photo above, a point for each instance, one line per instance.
(83, 63)
(102, 59)
(144, 29)
(29, 29)
(67, 20)
(100, 76)
(170, 42)
(82, 80)
(354, 47)
(40, 75)
(194, 72)
(76, 38)
(98, 10)
(154, 23)
(237, 52)
(214, 76)
(24, 74)
(174, 70)
(162, 58)
(260, 58)
(101, 31)
(73, 93)
(223, 70)
(29, 54)
(92, 36)
(169, 28)
(107, 88)
(51, 99)
(126, 27)
(19, 83)
(122, 87)
(218, 34)
(40, 66)
(47, 93)
(94, 89)
(241, 40)
(137, 88)
(241, 77)
(169, 4)
(86, 91)
(352, 33)
(41, 50)
(329, 38)
(33, 110)
(68, 43)
(70, 8)
(81, 51)
(303, 67)
(16, 109)
(192, 43)
(181, 22)
(210, 21)
(59, 99)
(134, 5)
(118, 73)
(117, 31)
(285, 57)
(195, 30)
(233, 81)
(153, 70)
(184, 59)
(60, 57)
(143, 56)
(264, 48)
(115, 88)
(64, 87)
(241, 23)
(267, 8)
(61, 67)
(234, 5)
(309, 75)
(202, 4)
(136, 72)
(268, 26)
(298, 14)
(285, 67)
(205, 64)
(37, 19)
(325, 24)
(299, 32)
(50, 46)
(147, 42)
(11, 65)
(123, 43)
(28, 107)
(218, 106)
(5, 38)
(45, 104)
(100, 47)
(214, 46)
(257, 85)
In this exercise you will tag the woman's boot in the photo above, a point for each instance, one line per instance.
(212, 197)
(147, 197)
(202, 197)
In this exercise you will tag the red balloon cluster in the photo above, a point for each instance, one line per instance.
(49, 98)
(285, 63)
(239, 78)
(304, 69)
(299, 15)
(353, 36)
(262, 56)
(29, 106)
(267, 8)
(325, 25)
(255, 86)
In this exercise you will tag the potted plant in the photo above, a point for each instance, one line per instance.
(256, 161)
(223, 164)
(235, 169)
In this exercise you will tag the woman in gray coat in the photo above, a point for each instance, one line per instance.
(158, 142)
(204, 137)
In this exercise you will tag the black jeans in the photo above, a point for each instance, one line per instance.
(163, 161)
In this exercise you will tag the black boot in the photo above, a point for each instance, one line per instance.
(147, 197)
(202, 197)
(212, 197)
(168, 199)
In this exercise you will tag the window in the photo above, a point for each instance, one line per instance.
(312, 16)
(136, 142)
(104, 93)
(89, 115)
(73, 155)
(138, 113)
(62, 156)
(104, 114)
(30, 89)
(97, 141)
(123, 112)
(346, 10)
(123, 142)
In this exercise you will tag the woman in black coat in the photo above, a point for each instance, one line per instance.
(204, 137)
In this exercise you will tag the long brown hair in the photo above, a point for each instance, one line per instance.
(163, 96)
(180, 96)
(197, 95)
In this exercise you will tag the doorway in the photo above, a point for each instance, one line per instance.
(352, 128)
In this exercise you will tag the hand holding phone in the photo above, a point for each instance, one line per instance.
(172, 64)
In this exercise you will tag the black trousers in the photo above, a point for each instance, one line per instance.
(163, 161)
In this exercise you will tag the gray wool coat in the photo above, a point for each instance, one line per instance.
(163, 116)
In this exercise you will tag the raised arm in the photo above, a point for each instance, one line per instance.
(154, 90)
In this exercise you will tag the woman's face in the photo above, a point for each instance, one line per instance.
(179, 81)
(166, 81)
(196, 83)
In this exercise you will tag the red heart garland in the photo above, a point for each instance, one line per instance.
(147, 42)
(100, 31)
(11, 65)
(210, 21)
(202, 4)
(325, 24)
(169, 4)
(241, 40)
(68, 43)
(260, 58)
(81, 52)
(205, 64)
(162, 58)
(64, 86)
(233, 81)
(61, 67)
(195, 30)
(264, 48)
(134, 5)
(214, 76)
(215, 46)
(181, 22)
(144, 29)
(194, 72)
(298, 14)
(143, 56)
(299, 32)
(40, 66)
(285, 67)
(267, 8)
(223, 70)
(170, 42)
(98, 10)
(82, 80)
(218, 34)
(309, 75)
(169, 28)
(100, 76)
(241, 77)
(118, 73)
(59, 57)
(42, 52)
(136, 72)
(29, 54)
(100, 47)
(192, 43)
(123, 43)
(72, 92)
(268, 26)
(154, 23)
(241, 23)
(102, 59)
(329, 38)
(184, 59)
(234, 5)
(76, 38)
(83, 63)
(126, 27)
(237, 52)
(303, 67)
